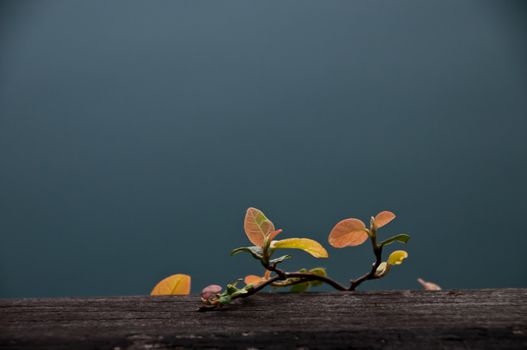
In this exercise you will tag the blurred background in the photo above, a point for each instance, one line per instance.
(134, 134)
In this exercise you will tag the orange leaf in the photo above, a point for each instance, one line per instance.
(254, 280)
(173, 285)
(348, 232)
(274, 234)
(383, 218)
(257, 226)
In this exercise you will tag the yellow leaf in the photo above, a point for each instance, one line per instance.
(308, 245)
(257, 226)
(173, 285)
(397, 257)
(383, 218)
(348, 232)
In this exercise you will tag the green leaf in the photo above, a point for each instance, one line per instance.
(240, 292)
(318, 271)
(300, 287)
(231, 287)
(225, 299)
(280, 259)
(232, 291)
(403, 238)
(255, 251)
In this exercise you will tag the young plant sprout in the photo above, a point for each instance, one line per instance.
(261, 233)
(353, 232)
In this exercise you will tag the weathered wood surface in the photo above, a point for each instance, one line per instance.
(464, 319)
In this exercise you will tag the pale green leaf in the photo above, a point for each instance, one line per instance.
(382, 269)
(300, 287)
(280, 259)
(320, 271)
(403, 238)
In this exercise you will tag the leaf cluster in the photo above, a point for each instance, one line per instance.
(262, 234)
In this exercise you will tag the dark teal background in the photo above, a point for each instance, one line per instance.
(133, 135)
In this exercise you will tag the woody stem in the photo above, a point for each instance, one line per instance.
(304, 276)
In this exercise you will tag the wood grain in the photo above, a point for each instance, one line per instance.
(461, 319)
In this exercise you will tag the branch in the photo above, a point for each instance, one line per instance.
(305, 277)
(377, 250)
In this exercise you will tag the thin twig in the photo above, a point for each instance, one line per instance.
(377, 250)
(306, 277)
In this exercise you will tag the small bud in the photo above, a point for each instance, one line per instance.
(210, 291)
(428, 285)
(273, 234)
(382, 269)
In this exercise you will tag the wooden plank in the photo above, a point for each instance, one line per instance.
(463, 319)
